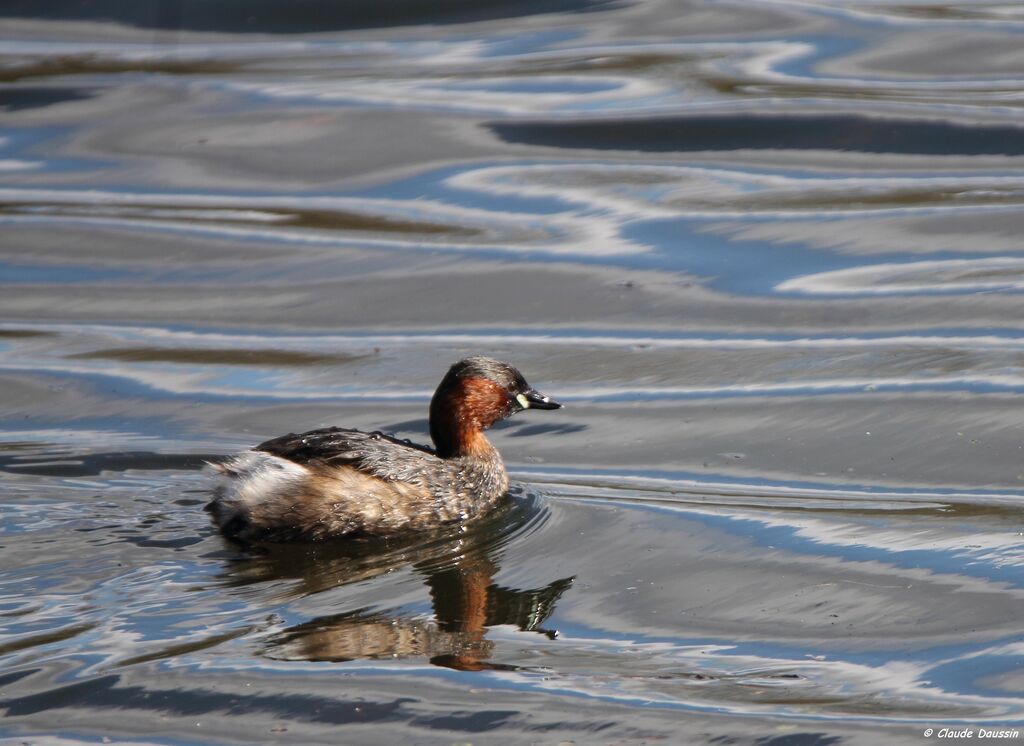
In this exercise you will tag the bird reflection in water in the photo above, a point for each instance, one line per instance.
(458, 566)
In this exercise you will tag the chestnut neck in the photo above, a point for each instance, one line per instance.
(459, 413)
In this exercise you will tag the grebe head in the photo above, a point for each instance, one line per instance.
(473, 395)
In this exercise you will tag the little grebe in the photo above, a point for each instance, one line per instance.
(337, 482)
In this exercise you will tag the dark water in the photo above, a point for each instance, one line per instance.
(770, 253)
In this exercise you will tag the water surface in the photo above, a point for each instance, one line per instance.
(768, 253)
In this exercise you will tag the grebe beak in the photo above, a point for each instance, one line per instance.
(532, 399)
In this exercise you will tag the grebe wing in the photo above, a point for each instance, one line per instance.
(375, 454)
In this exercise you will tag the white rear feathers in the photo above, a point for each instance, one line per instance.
(254, 477)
